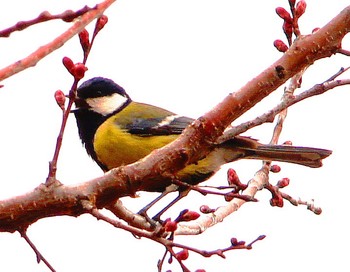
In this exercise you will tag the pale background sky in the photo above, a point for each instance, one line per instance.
(185, 56)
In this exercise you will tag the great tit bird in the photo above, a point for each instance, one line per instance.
(118, 131)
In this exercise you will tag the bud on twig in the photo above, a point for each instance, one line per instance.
(283, 183)
(288, 143)
(79, 70)
(60, 99)
(300, 8)
(277, 200)
(170, 226)
(100, 23)
(182, 255)
(206, 209)
(187, 215)
(275, 168)
(235, 242)
(232, 177)
(280, 46)
(68, 63)
(234, 181)
(281, 12)
(84, 40)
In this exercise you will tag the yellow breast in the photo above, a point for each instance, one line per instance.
(114, 146)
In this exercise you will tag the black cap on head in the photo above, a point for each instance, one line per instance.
(99, 87)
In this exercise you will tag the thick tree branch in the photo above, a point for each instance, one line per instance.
(193, 144)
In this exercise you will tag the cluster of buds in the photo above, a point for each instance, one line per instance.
(77, 70)
(234, 182)
(236, 243)
(277, 198)
(290, 22)
(85, 42)
(242, 244)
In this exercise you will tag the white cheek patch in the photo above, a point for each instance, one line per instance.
(106, 105)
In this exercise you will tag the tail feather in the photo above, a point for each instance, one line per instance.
(307, 156)
(248, 148)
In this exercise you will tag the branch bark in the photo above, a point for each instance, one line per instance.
(47, 49)
(194, 143)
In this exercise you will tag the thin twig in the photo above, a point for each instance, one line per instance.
(310, 205)
(135, 220)
(343, 52)
(45, 16)
(86, 45)
(206, 221)
(45, 50)
(39, 256)
(270, 115)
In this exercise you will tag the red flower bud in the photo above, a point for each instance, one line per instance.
(182, 255)
(283, 183)
(100, 23)
(280, 46)
(60, 99)
(300, 8)
(170, 226)
(275, 168)
(79, 70)
(235, 242)
(234, 181)
(288, 143)
(317, 210)
(200, 270)
(277, 200)
(188, 216)
(68, 63)
(261, 237)
(206, 209)
(281, 12)
(232, 177)
(84, 40)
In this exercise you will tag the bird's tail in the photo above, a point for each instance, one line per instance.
(251, 149)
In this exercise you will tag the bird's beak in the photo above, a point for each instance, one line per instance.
(80, 104)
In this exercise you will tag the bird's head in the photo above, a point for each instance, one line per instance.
(102, 96)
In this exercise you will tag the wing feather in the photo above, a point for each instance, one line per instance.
(172, 124)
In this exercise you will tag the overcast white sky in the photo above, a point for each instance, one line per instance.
(185, 56)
